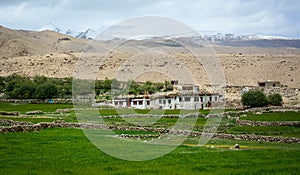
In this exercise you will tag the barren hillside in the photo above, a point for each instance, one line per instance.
(56, 55)
(14, 43)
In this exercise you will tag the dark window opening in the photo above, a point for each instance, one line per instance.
(187, 98)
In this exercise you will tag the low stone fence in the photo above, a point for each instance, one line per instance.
(274, 109)
(14, 126)
(37, 101)
(259, 138)
(191, 115)
(29, 127)
(14, 113)
(270, 123)
(246, 137)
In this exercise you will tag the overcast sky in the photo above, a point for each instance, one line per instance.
(266, 17)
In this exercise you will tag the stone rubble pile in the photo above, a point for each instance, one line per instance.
(14, 113)
(246, 137)
(34, 112)
(261, 123)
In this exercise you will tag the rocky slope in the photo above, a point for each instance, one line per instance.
(56, 55)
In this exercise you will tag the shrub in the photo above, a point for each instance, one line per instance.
(45, 91)
(275, 99)
(254, 98)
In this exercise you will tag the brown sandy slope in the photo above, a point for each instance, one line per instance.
(15, 43)
(46, 53)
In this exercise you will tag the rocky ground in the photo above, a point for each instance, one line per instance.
(55, 55)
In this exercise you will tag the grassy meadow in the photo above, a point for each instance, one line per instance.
(68, 150)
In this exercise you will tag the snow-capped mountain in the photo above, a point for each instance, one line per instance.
(92, 34)
(51, 27)
(87, 34)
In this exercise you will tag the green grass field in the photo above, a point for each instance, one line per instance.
(285, 131)
(23, 108)
(274, 116)
(68, 151)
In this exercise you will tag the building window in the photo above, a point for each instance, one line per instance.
(201, 98)
(116, 103)
(160, 101)
(180, 99)
(187, 98)
(148, 102)
(121, 103)
(164, 102)
(196, 99)
(216, 98)
(169, 101)
(134, 103)
(140, 102)
(210, 98)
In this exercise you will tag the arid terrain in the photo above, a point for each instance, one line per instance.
(55, 55)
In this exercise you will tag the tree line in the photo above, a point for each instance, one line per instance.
(37, 87)
(257, 98)
(41, 87)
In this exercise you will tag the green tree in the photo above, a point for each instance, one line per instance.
(46, 91)
(168, 86)
(39, 79)
(254, 98)
(107, 85)
(26, 90)
(148, 88)
(2, 84)
(275, 99)
(159, 86)
(134, 88)
(19, 87)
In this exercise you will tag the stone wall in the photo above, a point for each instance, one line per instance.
(246, 137)
(270, 123)
(36, 101)
(14, 126)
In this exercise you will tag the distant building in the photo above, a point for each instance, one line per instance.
(187, 97)
(269, 83)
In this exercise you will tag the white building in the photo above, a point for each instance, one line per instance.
(187, 97)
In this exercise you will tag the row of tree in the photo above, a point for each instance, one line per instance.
(41, 87)
(257, 98)
(38, 87)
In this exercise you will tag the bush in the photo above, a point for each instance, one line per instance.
(45, 91)
(254, 98)
(275, 99)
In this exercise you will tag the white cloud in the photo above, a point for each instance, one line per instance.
(271, 17)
